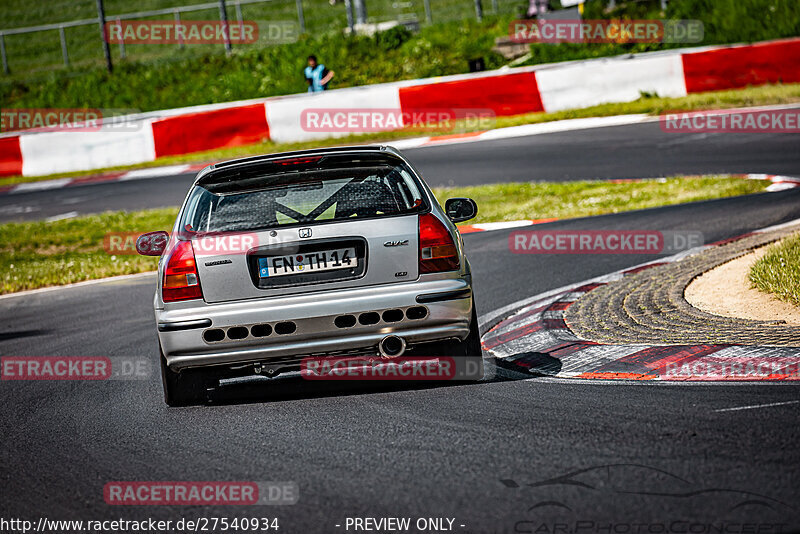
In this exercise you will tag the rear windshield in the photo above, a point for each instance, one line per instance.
(302, 191)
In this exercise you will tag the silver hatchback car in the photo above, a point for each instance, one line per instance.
(323, 253)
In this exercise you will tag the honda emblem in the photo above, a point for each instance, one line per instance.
(305, 232)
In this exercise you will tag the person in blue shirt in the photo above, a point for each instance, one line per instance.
(317, 76)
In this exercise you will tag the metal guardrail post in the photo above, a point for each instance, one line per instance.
(237, 7)
(177, 16)
(121, 40)
(478, 10)
(101, 18)
(223, 15)
(63, 39)
(301, 19)
(348, 7)
(239, 19)
(361, 11)
(3, 53)
(428, 13)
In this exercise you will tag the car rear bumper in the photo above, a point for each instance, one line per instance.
(186, 340)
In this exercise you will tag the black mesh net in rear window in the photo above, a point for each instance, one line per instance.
(302, 196)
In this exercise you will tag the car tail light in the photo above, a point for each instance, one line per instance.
(298, 161)
(181, 281)
(437, 250)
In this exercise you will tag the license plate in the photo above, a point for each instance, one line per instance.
(324, 260)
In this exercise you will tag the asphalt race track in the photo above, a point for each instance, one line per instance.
(501, 456)
(635, 151)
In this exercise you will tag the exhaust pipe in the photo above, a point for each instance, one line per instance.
(392, 346)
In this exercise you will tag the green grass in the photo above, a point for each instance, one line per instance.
(39, 254)
(724, 21)
(32, 55)
(752, 96)
(778, 271)
(185, 78)
(562, 200)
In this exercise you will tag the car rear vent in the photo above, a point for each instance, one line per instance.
(345, 321)
(369, 318)
(213, 335)
(238, 332)
(392, 316)
(284, 328)
(261, 330)
(417, 312)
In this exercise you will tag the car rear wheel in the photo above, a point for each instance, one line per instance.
(467, 353)
(185, 388)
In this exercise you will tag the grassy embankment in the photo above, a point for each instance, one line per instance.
(778, 271)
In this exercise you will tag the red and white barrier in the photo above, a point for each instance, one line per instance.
(584, 84)
(284, 113)
(195, 132)
(739, 66)
(505, 94)
(553, 87)
(65, 151)
(10, 156)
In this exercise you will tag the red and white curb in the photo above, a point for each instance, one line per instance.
(779, 183)
(530, 337)
(488, 227)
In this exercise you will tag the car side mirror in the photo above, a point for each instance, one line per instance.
(152, 243)
(460, 209)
